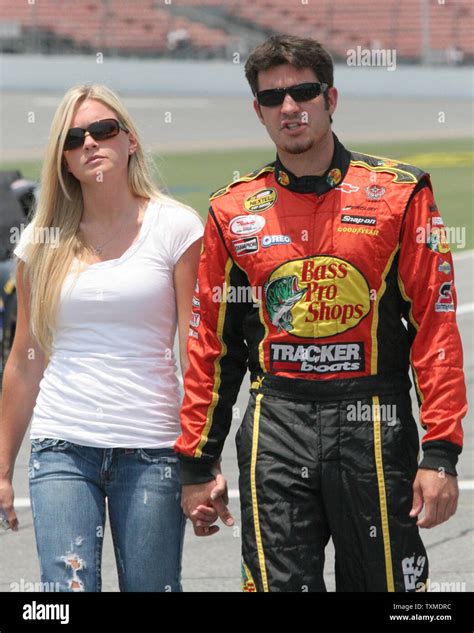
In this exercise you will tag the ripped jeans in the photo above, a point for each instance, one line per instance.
(69, 485)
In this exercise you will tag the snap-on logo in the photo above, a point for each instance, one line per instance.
(247, 224)
(348, 218)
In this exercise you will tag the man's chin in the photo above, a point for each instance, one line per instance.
(298, 148)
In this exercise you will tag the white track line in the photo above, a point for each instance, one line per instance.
(24, 502)
(463, 255)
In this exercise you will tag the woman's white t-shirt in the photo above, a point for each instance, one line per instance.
(111, 379)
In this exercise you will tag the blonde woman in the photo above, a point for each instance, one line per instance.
(106, 274)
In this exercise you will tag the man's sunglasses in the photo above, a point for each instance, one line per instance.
(99, 130)
(300, 92)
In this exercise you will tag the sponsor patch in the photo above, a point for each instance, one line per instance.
(374, 192)
(387, 162)
(275, 240)
(445, 301)
(260, 201)
(319, 359)
(437, 221)
(347, 188)
(436, 238)
(246, 224)
(246, 245)
(347, 218)
(445, 267)
(360, 207)
(248, 584)
(195, 319)
(412, 568)
(358, 230)
(283, 178)
(334, 177)
(316, 297)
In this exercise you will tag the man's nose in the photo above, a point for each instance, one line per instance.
(289, 105)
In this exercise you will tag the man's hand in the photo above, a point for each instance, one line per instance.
(438, 492)
(203, 503)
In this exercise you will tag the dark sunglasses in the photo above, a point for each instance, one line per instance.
(99, 130)
(300, 92)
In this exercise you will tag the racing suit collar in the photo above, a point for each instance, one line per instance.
(316, 184)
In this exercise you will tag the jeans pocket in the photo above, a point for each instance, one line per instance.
(44, 443)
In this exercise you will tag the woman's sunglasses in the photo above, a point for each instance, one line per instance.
(300, 92)
(99, 130)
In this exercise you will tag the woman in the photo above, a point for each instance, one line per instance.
(107, 271)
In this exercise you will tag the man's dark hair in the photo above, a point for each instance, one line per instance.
(300, 52)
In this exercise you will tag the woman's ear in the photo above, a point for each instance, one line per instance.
(132, 143)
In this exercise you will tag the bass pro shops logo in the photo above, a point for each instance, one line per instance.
(316, 297)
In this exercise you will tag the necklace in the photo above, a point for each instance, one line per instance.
(98, 249)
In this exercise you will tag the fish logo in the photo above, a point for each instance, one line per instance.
(280, 296)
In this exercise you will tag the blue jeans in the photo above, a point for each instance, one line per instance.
(69, 485)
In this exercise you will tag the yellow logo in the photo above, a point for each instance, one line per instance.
(260, 201)
(436, 238)
(283, 178)
(317, 297)
(334, 177)
(248, 584)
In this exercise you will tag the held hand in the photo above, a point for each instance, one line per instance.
(202, 510)
(438, 492)
(8, 518)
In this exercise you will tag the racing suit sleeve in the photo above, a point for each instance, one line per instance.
(217, 354)
(426, 282)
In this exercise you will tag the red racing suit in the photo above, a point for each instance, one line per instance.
(309, 278)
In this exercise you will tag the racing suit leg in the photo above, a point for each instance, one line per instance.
(284, 529)
(369, 463)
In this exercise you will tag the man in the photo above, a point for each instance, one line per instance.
(328, 241)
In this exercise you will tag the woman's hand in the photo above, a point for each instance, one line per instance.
(8, 518)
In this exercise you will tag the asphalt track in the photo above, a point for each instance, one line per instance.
(213, 564)
(177, 123)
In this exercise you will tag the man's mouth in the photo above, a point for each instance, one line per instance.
(292, 125)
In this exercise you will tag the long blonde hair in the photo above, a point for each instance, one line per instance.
(60, 207)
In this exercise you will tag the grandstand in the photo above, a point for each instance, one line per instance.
(420, 30)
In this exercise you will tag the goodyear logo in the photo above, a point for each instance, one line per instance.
(316, 297)
(260, 201)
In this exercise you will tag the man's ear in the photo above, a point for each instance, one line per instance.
(331, 102)
(258, 110)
